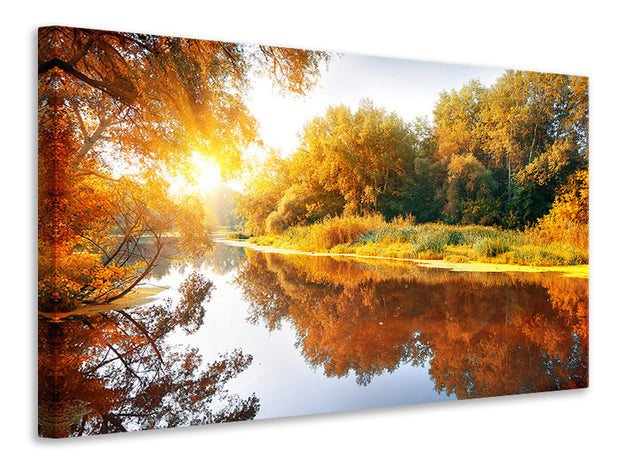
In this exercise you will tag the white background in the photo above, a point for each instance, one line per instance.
(557, 36)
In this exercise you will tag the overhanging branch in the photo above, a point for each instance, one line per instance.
(125, 96)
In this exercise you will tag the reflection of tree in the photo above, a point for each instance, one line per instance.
(224, 259)
(519, 342)
(483, 334)
(115, 372)
(220, 259)
(351, 324)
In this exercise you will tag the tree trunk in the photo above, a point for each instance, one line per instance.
(509, 178)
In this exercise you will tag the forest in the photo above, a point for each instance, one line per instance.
(501, 171)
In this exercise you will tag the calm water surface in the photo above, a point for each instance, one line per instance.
(241, 334)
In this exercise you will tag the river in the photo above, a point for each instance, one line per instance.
(241, 334)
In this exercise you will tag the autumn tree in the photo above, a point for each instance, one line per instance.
(360, 156)
(265, 186)
(130, 110)
(528, 130)
(347, 163)
(567, 221)
(457, 116)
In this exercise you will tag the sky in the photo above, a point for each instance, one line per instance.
(410, 88)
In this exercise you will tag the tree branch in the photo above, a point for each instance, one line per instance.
(89, 172)
(146, 271)
(84, 50)
(126, 97)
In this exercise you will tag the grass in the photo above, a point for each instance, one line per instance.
(373, 236)
(324, 235)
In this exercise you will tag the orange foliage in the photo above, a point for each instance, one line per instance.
(482, 334)
(119, 115)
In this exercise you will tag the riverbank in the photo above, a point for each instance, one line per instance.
(401, 238)
(574, 271)
(462, 247)
(141, 295)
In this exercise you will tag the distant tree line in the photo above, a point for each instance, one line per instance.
(498, 155)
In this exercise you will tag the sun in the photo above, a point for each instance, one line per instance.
(206, 175)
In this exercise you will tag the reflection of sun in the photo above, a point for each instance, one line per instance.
(206, 176)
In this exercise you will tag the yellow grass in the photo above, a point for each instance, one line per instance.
(374, 237)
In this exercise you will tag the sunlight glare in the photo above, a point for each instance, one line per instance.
(206, 174)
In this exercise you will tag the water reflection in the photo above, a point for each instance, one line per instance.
(221, 260)
(468, 334)
(481, 334)
(114, 371)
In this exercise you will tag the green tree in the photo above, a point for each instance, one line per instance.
(469, 187)
(535, 132)
(416, 192)
(529, 131)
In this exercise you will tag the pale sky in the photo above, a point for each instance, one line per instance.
(410, 88)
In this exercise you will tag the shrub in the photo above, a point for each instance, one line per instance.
(429, 242)
(549, 255)
(456, 258)
(371, 235)
(331, 232)
(432, 240)
(567, 222)
(492, 247)
(400, 222)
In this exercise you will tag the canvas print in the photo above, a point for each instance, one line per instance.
(233, 232)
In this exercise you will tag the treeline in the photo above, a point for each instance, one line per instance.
(498, 155)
